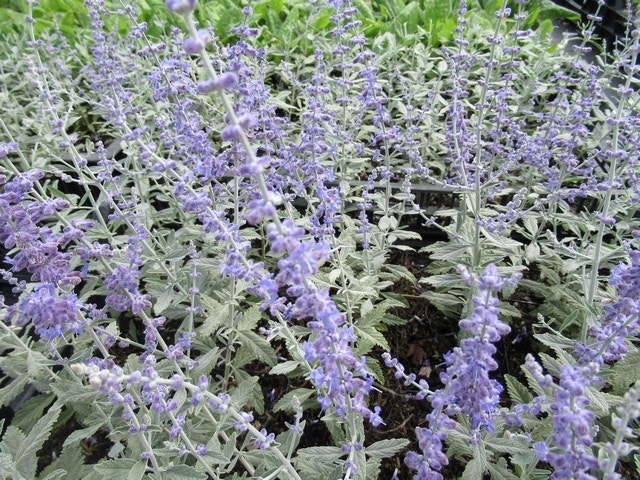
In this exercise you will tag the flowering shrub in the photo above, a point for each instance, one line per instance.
(186, 223)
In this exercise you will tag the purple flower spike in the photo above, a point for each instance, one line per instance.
(182, 7)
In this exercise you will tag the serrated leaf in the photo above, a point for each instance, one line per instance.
(25, 460)
(400, 271)
(69, 391)
(303, 394)
(6, 465)
(284, 367)
(183, 472)
(206, 362)
(249, 318)
(452, 251)
(137, 471)
(499, 472)
(506, 445)
(517, 391)
(474, 470)
(56, 474)
(324, 455)
(31, 411)
(116, 469)
(70, 461)
(244, 391)
(14, 388)
(556, 342)
(626, 372)
(386, 448)
(81, 434)
(258, 345)
(217, 315)
(12, 441)
(367, 337)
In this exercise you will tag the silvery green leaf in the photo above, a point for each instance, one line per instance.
(81, 434)
(244, 392)
(70, 461)
(14, 388)
(556, 342)
(625, 372)
(25, 459)
(499, 471)
(57, 475)
(324, 455)
(601, 403)
(306, 396)
(517, 391)
(207, 362)
(386, 448)
(403, 234)
(284, 367)
(258, 346)
(6, 465)
(31, 411)
(474, 469)
(509, 444)
(532, 252)
(116, 469)
(183, 472)
(217, 315)
(452, 252)
(69, 391)
(12, 439)
(400, 271)
(368, 337)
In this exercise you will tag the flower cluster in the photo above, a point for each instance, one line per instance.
(468, 389)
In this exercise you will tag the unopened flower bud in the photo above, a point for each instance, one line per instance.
(193, 45)
(182, 7)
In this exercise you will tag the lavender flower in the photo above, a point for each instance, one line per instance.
(569, 449)
(621, 316)
(468, 389)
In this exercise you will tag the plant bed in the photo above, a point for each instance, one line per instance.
(361, 257)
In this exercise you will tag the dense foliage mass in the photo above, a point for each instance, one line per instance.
(195, 207)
